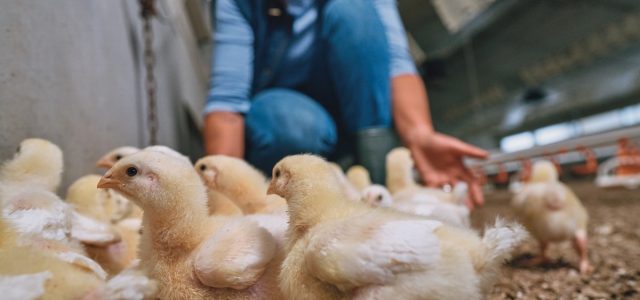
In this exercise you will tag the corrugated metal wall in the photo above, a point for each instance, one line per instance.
(71, 72)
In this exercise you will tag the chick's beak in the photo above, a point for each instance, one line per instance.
(104, 163)
(107, 181)
(272, 189)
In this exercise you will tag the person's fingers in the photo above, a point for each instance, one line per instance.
(467, 150)
(436, 181)
(422, 166)
(475, 192)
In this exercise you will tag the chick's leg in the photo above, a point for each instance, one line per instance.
(580, 244)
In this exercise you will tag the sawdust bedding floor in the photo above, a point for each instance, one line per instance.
(614, 233)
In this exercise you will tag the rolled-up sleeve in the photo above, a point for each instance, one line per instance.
(401, 61)
(232, 63)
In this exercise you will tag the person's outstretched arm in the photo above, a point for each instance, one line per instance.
(438, 157)
(231, 75)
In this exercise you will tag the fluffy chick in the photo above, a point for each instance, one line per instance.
(359, 177)
(37, 164)
(452, 214)
(119, 206)
(219, 260)
(339, 249)
(404, 188)
(218, 203)
(552, 212)
(240, 182)
(30, 272)
(399, 165)
(107, 205)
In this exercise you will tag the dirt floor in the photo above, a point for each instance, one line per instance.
(614, 232)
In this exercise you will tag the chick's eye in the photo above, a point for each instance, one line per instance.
(379, 198)
(118, 157)
(277, 173)
(18, 149)
(203, 167)
(132, 171)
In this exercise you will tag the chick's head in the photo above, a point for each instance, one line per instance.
(301, 174)
(222, 172)
(36, 162)
(544, 171)
(169, 151)
(400, 157)
(151, 178)
(377, 195)
(207, 168)
(108, 160)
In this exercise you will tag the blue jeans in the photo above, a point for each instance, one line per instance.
(348, 90)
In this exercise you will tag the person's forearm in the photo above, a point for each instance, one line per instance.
(410, 106)
(224, 134)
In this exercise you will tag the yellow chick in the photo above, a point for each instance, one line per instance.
(107, 206)
(240, 182)
(359, 177)
(31, 271)
(399, 167)
(218, 203)
(27, 182)
(37, 164)
(404, 188)
(192, 255)
(339, 249)
(452, 214)
(552, 212)
(83, 195)
(32, 268)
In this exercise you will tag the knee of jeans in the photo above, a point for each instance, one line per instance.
(283, 122)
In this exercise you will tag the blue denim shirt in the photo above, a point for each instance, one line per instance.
(240, 69)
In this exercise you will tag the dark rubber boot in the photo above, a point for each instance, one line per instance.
(372, 146)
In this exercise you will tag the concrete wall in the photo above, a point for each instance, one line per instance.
(71, 72)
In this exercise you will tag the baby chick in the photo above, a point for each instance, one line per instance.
(30, 271)
(359, 177)
(240, 182)
(192, 255)
(399, 166)
(37, 164)
(32, 268)
(27, 183)
(218, 203)
(339, 249)
(452, 214)
(552, 212)
(103, 204)
(404, 188)
(117, 205)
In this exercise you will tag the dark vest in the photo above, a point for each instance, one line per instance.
(272, 29)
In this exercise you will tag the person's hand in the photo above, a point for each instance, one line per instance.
(439, 160)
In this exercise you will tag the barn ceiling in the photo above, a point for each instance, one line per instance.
(549, 60)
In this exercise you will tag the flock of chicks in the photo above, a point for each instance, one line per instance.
(220, 230)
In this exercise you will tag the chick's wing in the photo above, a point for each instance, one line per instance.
(367, 250)
(235, 256)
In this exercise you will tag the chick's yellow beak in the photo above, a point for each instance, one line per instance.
(107, 181)
(272, 189)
